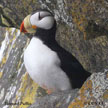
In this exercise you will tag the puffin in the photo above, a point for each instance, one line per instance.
(48, 64)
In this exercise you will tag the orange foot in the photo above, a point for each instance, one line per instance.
(85, 37)
(49, 91)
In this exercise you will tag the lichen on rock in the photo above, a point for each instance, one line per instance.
(94, 93)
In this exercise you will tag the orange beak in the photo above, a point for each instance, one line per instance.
(22, 28)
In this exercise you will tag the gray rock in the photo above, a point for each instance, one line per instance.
(55, 100)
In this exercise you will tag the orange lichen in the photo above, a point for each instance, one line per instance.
(19, 64)
(3, 61)
(28, 92)
(105, 95)
(11, 37)
(107, 75)
(80, 101)
(1, 74)
(80, 11)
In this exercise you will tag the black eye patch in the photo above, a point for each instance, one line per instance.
(40, 17)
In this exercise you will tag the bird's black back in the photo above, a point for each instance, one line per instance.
(69, 64)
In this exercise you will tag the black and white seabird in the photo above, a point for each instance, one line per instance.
(47, 63)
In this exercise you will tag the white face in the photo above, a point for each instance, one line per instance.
(42, 19)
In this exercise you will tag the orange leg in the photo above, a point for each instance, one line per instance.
(49, 91)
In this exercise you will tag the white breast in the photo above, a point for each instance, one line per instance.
(43, 65)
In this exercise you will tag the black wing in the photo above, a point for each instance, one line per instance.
(71, 66)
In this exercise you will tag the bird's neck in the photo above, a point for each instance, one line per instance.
(46, 36)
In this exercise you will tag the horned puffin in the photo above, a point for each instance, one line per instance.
(47, 63)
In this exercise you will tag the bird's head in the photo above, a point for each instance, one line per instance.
(41, 19)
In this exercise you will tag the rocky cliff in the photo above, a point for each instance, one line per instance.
(82, 30)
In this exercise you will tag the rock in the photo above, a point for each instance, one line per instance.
(15, 84)
(55, 100)
(94, 93)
